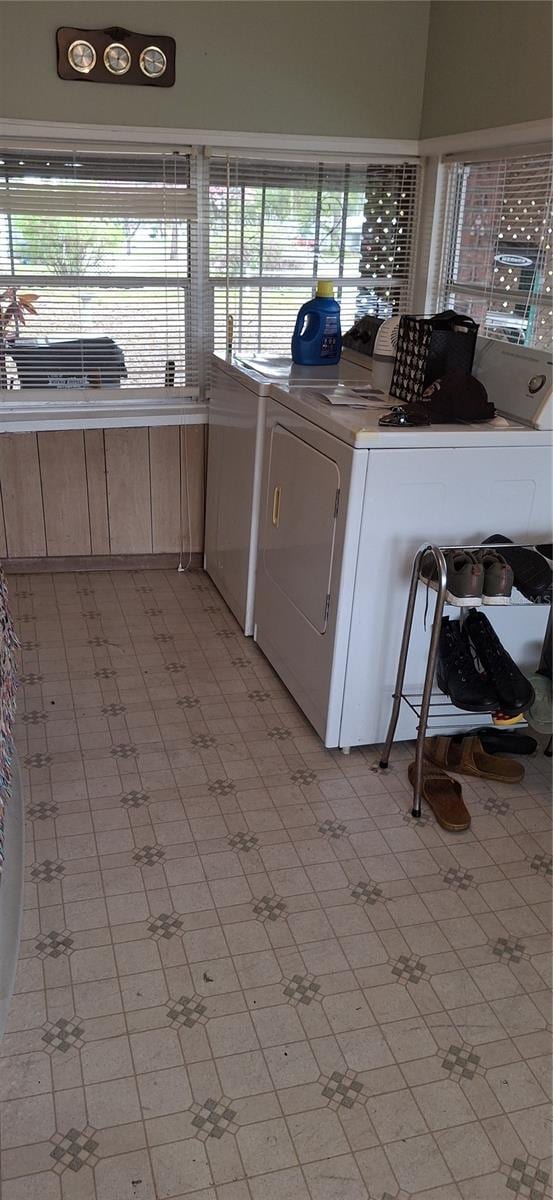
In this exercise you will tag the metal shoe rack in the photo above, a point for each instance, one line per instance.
(429, 706)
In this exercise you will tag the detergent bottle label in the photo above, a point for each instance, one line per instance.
(329, 343)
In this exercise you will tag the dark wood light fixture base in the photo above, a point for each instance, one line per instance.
(116, 56)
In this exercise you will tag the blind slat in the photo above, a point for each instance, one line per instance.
(275, 226)
(497, 262)
(104, 246)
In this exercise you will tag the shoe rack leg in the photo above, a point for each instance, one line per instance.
(429, 680)
(402, 663)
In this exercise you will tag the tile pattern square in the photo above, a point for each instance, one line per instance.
(73, 1149)
(213, 1118)
(342, 1090)
(246, 971)
(527, 1179)
(187, 1011)
(270, 908)
(63, 1035)
(54, 944)
(302, 989)
(166, 926)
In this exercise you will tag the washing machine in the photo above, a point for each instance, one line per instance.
(345, 504)
(239, 390)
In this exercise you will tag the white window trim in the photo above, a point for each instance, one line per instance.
(169, 138)
(525, 132)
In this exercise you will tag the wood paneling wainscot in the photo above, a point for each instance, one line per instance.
(64, 492)
(95, 456)
(128, 483)
(22, 495)
(69, 493)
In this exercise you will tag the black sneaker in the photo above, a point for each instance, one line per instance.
(456, 673)
(533, 573)
(514, 691)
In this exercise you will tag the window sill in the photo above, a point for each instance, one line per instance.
(88, 411)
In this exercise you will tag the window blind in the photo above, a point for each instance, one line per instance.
(275, 226)
(497, 263)
(97, 263)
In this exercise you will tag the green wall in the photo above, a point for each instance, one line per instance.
(351, 68)
(278, 66)
(488, 63)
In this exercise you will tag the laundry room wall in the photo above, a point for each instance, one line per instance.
(276, 66)
(488, 63)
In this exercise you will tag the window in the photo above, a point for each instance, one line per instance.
(276, 226)
(97, 263)
(497, 265)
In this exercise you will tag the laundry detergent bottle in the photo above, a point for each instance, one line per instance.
(317, 338)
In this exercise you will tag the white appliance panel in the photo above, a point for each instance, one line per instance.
(236, 426)
(430, 497)
(300, 523)
(518, 380)
(306, 649)
(235, 456)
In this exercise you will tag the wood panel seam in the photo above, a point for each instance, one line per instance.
(41, 494)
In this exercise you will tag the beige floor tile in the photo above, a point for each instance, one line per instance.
(467, 1151)
(442, 1104)
(114, 1176)
(113, 1103)
(277, 1025)
(232, 1034)
(244, 1074)
(154, 1049)
(27, 1119)
(184, 996)
(347, 1011)
(25, 1075)
(533, 1126)
(266, 1146)
(365, 1049)
(279, 1185)
(417, 1163)
(163, 1092)
(338, 1177)
(317, 1135)
(396, 1116)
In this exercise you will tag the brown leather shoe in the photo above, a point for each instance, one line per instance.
(468, 757)
(444, 796)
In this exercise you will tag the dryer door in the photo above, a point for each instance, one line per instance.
(312, 501)
(300, 524)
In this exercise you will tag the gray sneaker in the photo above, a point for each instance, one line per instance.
(498, 577)
(465, 577)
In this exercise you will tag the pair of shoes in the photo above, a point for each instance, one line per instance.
(533, 574)
(444, 796)
(473, 578)
(499, 741)
(500, 685)
(466, 756)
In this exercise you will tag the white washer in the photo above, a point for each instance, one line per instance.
(345, 505)
(237, 420)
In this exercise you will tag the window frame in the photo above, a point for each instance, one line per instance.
(432, 153)
(453, 187)
(403, 284)
(43, 399)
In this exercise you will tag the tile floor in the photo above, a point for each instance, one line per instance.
(246, 973)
